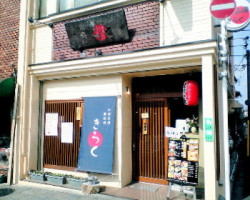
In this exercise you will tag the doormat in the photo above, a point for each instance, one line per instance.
(147, 187)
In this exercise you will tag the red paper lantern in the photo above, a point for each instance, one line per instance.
(191, 93)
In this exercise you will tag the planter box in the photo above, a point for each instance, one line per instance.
(76, 182)
(37, 177)
(93, 181)
(56, 179)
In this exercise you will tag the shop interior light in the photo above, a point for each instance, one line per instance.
(127, 90)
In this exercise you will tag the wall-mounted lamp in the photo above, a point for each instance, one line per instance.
(99, 53)
(14, 73)
(31, 20)
(127, 90)
(36, 22)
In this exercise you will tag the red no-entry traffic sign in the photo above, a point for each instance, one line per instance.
(222, 8)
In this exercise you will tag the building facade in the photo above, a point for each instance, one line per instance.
(167, 43)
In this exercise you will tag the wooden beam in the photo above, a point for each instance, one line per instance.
(158, 95)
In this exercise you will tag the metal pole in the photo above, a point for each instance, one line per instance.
(225, 114)
(13, 131)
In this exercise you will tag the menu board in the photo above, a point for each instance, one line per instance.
(183, 162)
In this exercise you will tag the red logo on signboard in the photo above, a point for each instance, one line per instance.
(222, 8)
(100, 32)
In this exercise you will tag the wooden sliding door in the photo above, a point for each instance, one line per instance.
(150, 116)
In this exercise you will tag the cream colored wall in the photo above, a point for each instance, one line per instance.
(23, 80)
(208, 108)
(82, 87)
(42, 45)
(126, 139)
(185, 21)
(32, 139)
(88, 87)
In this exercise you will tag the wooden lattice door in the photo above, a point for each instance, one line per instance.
(60, 155)
(150, 116)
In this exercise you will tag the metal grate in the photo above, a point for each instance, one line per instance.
(63, 155)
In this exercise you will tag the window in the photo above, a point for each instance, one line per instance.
(79, 3)
(66, 5)
(53, 6)
(43, 8)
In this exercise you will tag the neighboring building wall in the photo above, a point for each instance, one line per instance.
(9, 25)
(143, 25)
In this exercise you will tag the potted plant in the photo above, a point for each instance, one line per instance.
(37, 175)
(193, 124)
(55, 178)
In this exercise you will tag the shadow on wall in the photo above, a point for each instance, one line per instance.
(184, 12)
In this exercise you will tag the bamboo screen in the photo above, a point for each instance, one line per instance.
(63, 155)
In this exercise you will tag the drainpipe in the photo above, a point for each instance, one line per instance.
(224, 77)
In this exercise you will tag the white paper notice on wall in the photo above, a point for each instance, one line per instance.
(181, 125)
(51, 124)
(67, 132)
(171, 132)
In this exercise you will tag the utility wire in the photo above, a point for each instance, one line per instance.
(245, 38)
(240, 67)
(241, 45)
(241, 60)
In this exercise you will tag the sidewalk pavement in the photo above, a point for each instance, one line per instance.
(34, 191)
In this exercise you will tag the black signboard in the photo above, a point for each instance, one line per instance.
(98, 31)
(183, 162)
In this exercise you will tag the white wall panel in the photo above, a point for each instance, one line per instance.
(186, 21)
(42, 45)
(82, 87)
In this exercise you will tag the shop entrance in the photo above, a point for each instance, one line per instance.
(150, 145)
(157, 102)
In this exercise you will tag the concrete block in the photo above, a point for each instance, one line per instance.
(92, 189)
